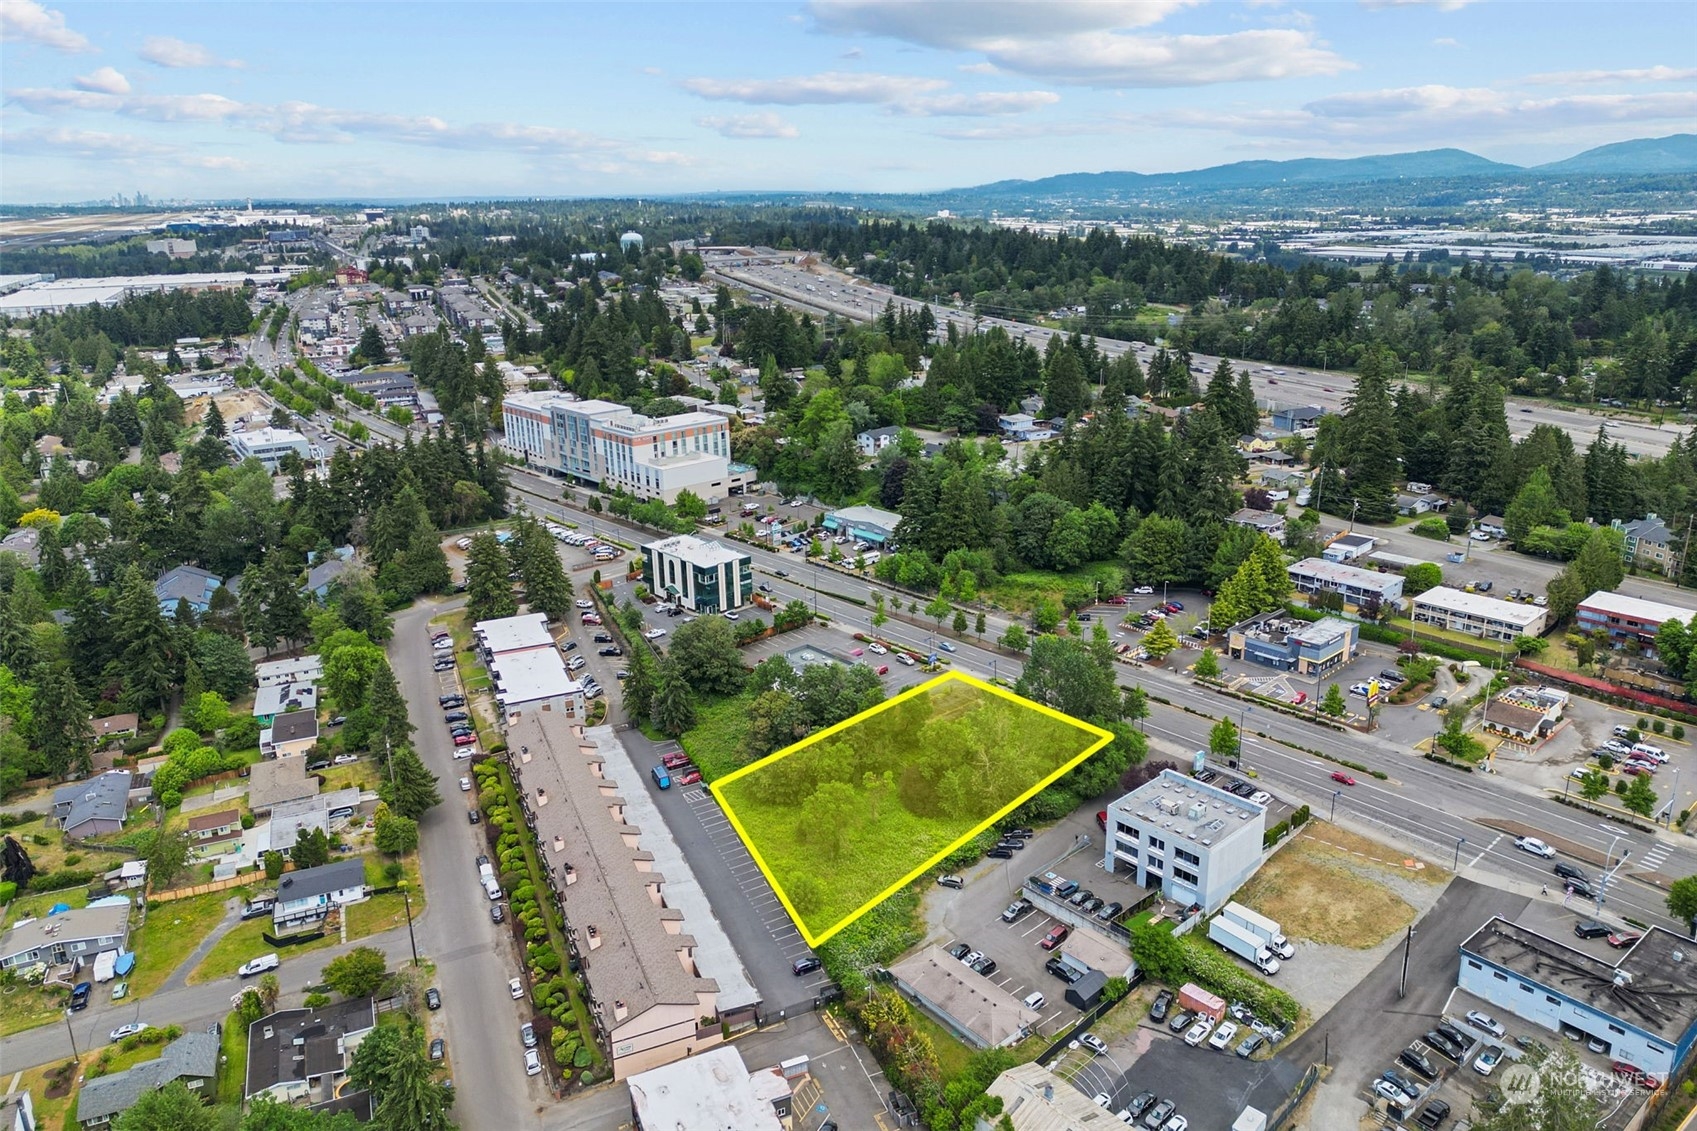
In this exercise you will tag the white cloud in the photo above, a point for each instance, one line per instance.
(106, 80)
(985, 105)
(1086, 42)
(1031, 131)
(742, 126)
(124, 148)
(1440, 5)
(1447, 100)
(1637, 74)
(179, 54)
(960, 25)
(828, 88)
(307, 123)
(25, 21)
(1446, 41)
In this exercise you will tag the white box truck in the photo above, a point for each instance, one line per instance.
(1243, 944)
(1261, 927)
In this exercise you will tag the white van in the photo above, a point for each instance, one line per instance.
(1035, 1002)
(259, 965)
(491, 888)
(1649, 751)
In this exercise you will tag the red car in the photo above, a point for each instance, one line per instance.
(1118, 599)
(1102, 819)
(464, 739)
(883, 669)
(1301, 698)
(1055, 937)
(1340, 776)
(1623, 939)
(687, 777)
(675, 761)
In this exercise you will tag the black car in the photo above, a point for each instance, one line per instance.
(1158, 1012)
(1418, 1061)
(1391, 675)
(1433, 1114)
(611, 650)
(1013, 842)
(438, 1049)
(985, 966)
(1000, 852)
(474, 816)
(603, 638)
(337, 720)
(1206, 775)
(1243, 789)
(1569, 871)
(1455, 1036)
(780, 573)
(1181, 1021)
(1061, 970)
(1080, 897)
(960, 950)
(1140, 1103)
(496, 913)
(1111, 912)
(1581, 888)
(1591, 929)
(569, 646)
(433, 998)
(443, 666)
(455, 717)
(805, 965)
(1092, 905)
(446, 701)
(1443, 1044)
(1408, 1086)
(1022, 833)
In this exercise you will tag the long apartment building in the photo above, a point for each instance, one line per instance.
(1478, 615)
(648, 1000)
(607, 445)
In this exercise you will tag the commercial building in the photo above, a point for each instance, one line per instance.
(512, 634)
(648, 1000)
(1307, 648)
(270, 445)
(56, 296)
(1478, 615)
(1642, 1008)
(1526, 714)
(71, 938)
(303, 1054)
(607, 445)
(1627, 618)
(536, 680)
(866, 524)
(1035, 1099)
(1198, 844)
(1316, 575)
(304, 898)
(89, 808)
(974, 1008)
(698, 574)
(191, 1058)
(709, 1092)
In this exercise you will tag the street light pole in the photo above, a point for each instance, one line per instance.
(1336, 793)
(1407, 945)
(406, 898)
(1242, 715)
(75, 1055)
(1456, 865)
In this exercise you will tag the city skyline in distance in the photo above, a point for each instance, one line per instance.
(203, 101)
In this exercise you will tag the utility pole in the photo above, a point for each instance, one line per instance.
(1407, 945)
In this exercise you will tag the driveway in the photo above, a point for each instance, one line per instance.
(473, 956)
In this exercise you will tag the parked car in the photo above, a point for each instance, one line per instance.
(610, 650)
(1094, 1043)
(515, 987)
(1223, 1037)
(1591, 929)
(450, 701)
(1443, 1043)
(959, 950)
(1139, 1104)
(1386, 1090)
(1486, 1023)
(1418, 1061)
(804, 965)
(1056, 936)
(129, 1030)
(527, 1034)
(438, 1049)
(1110, 912)
(1623, 939)
(1248, 1046)
(1198, 1032)
(1159, 1114)
(1016, 910)
(1162, 1004)
(1433, 1114)
(433, 998)
(532, 1062)
(464, 739)
(985, 966)
(1181, 1021)
(465, 785)
(949, 880)
(1488, 1060)
(496, 914)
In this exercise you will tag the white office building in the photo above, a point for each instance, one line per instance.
(1196, 843)
(698, 574)
(270, 445)
(1478, 615)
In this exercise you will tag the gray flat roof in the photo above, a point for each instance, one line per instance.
(974, 1003)
(1653, 987)
(1191, 810)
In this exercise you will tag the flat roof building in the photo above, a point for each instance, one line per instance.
(709, 1092)
(535, 679)
(869, 524)
(513, 634)
(1198, 844)
(648, 997)
(974, 1008)
(270, 445)
(1035, 1099)
(1642, 1008)
(1626, 617)
(1293, 645)
(1478, 615)
(1316, 575)
(301, 669)
(698, 574)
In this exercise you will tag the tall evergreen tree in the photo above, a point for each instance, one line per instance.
(63, 732)
(489, 592)
(409, 788)
(673, 708)
(1370, 434)
(389, 709)
(144, 662)
(546, 588)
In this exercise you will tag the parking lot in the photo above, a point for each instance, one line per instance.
(835, 642)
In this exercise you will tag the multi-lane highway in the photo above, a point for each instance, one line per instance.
(1421, 805)
(823, 288)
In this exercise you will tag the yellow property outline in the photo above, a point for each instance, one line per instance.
(1103, 737)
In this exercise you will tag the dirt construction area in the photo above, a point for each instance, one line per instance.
(1342, 900)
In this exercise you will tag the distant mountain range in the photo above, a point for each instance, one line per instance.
(1642, 157)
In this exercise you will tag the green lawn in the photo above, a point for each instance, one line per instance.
(953, 1055)
(246, 941)
(171, 933)
(1020, 592)
(24, 1007)
(715, 743)
(232, 1064)
(388, 910)
(841, 819)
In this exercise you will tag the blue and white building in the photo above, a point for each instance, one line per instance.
(1643, 1007)
(1283, 642)
(1196, 843)
(872, 525)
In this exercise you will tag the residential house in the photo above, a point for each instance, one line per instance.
(1023, 426)
(192, 1058)
(303, 1054)
(339, 563)
(131, 875)
(290, 733)
(1268, 523)
(275, 699)
(1411, 504)
(212, 833)
(320, 812)
(278, 781)
(25, 543)
(300, 669)
(875, 440)
(74, 937)
(95, 806)
(1295, 418)
(1492, 524)
(114, 727)
(186, 583)
(304, 898)
(1651, 545)
(1348, 547)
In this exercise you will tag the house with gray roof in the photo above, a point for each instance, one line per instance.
(339, 563)
(77, 936)
(271, 783)
(186, 583)
(98, 805)
(191, 1058)
(304, 898)
(303, 1054)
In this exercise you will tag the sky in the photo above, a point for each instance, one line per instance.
(438, 100)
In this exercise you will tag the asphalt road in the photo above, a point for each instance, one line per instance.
(862, 301)
(473, 957)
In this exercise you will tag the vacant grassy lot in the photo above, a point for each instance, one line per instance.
(1325, 894)
(715, 743)
(244, 942)
(170, 934)
(844, 818)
